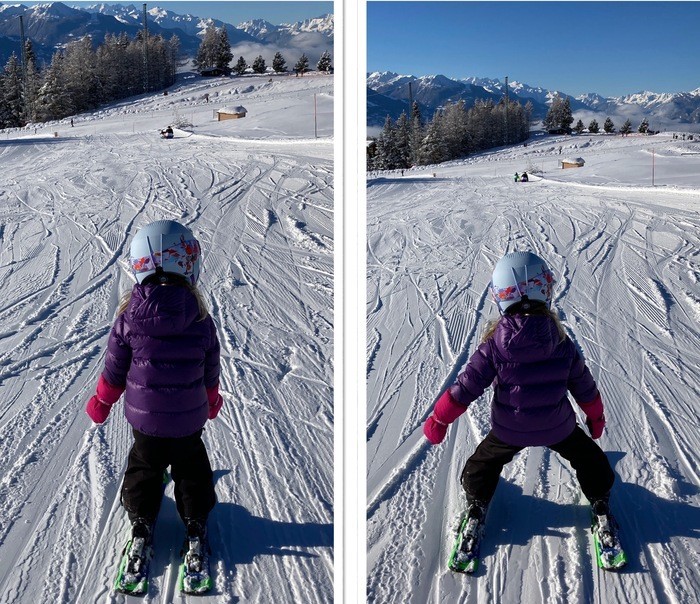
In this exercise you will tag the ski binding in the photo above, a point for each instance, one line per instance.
(132, 577)
(464, 557)
(193, 576)
(608, 549)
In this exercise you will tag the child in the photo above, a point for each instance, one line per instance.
(163, 352)
(533, 363)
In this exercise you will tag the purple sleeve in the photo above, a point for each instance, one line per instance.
(477, 376)
(581, 383)
(211, 359)
(118, 357)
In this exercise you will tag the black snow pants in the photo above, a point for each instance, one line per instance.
(142, 489)
(593, 470)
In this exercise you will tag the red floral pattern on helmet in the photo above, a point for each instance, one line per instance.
(185, 254)
(544, 282)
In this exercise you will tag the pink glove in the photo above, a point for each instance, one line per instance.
(98, 410)
(445, 412)
(595, 418)
(216, 401)
(434, 430)
(100, 404)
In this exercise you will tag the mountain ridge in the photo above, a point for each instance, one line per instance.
(431, 91)
(52, 25)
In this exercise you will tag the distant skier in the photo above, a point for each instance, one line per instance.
(524, 177)
(163, 353)
(533, 363)
(167, 132)
(517, 177)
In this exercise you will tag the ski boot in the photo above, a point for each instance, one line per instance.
(465, 553)
(194, 577)
(606, 538)
(132, 577)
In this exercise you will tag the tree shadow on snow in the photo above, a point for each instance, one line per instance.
(53, 140)
(384, 180)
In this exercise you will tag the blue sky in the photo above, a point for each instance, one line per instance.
(231, 12)
(612, 48)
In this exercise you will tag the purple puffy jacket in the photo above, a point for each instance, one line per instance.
(166, 357)
(533, 369)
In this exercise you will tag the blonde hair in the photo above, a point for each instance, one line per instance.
(203, 311)
(538, 309)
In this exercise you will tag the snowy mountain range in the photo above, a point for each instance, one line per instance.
(388, 94)
(54, 24)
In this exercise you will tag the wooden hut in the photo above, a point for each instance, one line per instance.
(572, 163)
(231, 113)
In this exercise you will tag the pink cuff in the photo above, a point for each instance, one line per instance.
(213, 394)
(447, 409)
(593, 409)
(107, 393)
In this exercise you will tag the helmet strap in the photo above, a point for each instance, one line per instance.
(515, 280)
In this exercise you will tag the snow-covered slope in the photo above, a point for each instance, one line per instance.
(258, 192)
(628, 268)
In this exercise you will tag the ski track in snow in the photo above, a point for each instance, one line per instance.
(68, 210)
(627, 264)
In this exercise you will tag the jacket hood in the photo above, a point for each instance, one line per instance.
(526, 338)
(161, 310)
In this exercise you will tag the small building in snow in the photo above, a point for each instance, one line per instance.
(231, 113)
(572, 163)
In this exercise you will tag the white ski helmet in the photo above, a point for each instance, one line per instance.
(520, 274)
(167, 246)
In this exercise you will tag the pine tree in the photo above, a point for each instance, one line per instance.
(214, 50)
(479, 126)
(173, 50)
(644, 126)
(626, 127)
(402, 140)
(432, 150)
(559, 117)
(302, 65)
(224, 56)
(579, 127)
(206, 53)
(32, 81)
(453, 132)
(553, 118)
(608, 126)
(525, 119)
(241, 66)
(80, 74)
(12, 95)
(387, 156)
(454, 129)
(53, 99)
(371, 154)
(593, 127)
(278, 63)
(567, 117)
(416, 134)
(259, 65)
(324, 64)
